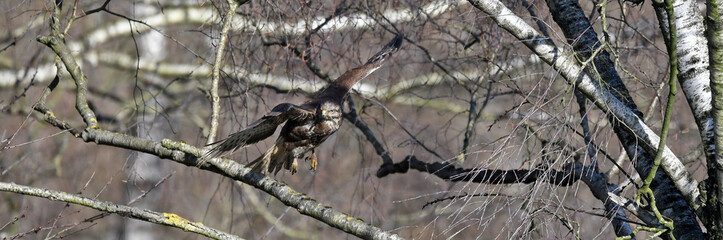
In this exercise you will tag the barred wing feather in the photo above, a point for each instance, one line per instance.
(258, 130)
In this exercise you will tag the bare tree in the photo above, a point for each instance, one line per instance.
(520, 119)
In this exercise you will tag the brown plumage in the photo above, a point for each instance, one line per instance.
(307, 125)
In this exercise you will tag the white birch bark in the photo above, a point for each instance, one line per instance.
(693, 61)
(573, 73)
(715, 41)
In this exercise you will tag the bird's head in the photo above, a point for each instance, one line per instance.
(328, 111)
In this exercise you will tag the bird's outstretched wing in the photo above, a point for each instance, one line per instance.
(387, 50)
(258, 130)
(339, 87)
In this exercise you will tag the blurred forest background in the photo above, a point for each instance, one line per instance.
(462, 95)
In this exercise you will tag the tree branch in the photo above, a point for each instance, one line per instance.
(602, 98)
(449, 172)
(714, 10)
(56, 43)
(217, 64)
(187, 155)
(167, 219)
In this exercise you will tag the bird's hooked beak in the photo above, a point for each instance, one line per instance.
(323, 112)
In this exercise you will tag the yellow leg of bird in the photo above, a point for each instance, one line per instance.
(312, 158)
(294, 166)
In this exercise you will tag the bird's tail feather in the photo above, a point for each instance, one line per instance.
(222, 147)
(259, 165)
(271, 161)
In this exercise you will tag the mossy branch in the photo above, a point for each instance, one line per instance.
(714, 19)
(646, 191)
(56, 41)
(168, 219)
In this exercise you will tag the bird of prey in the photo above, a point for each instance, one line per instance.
(307, 125)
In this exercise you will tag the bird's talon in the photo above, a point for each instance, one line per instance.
(313, 163)
(294, 167)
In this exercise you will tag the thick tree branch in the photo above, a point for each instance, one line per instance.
(572, 172)
(187, 155)
(449, 172)
(167, 219)
(693, 58)
(56, 43)
(602, 98)
(303, 204)
(715, 174)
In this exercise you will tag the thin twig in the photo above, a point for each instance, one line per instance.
(217, 64)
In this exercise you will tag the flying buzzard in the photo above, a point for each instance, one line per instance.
(307, 125)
